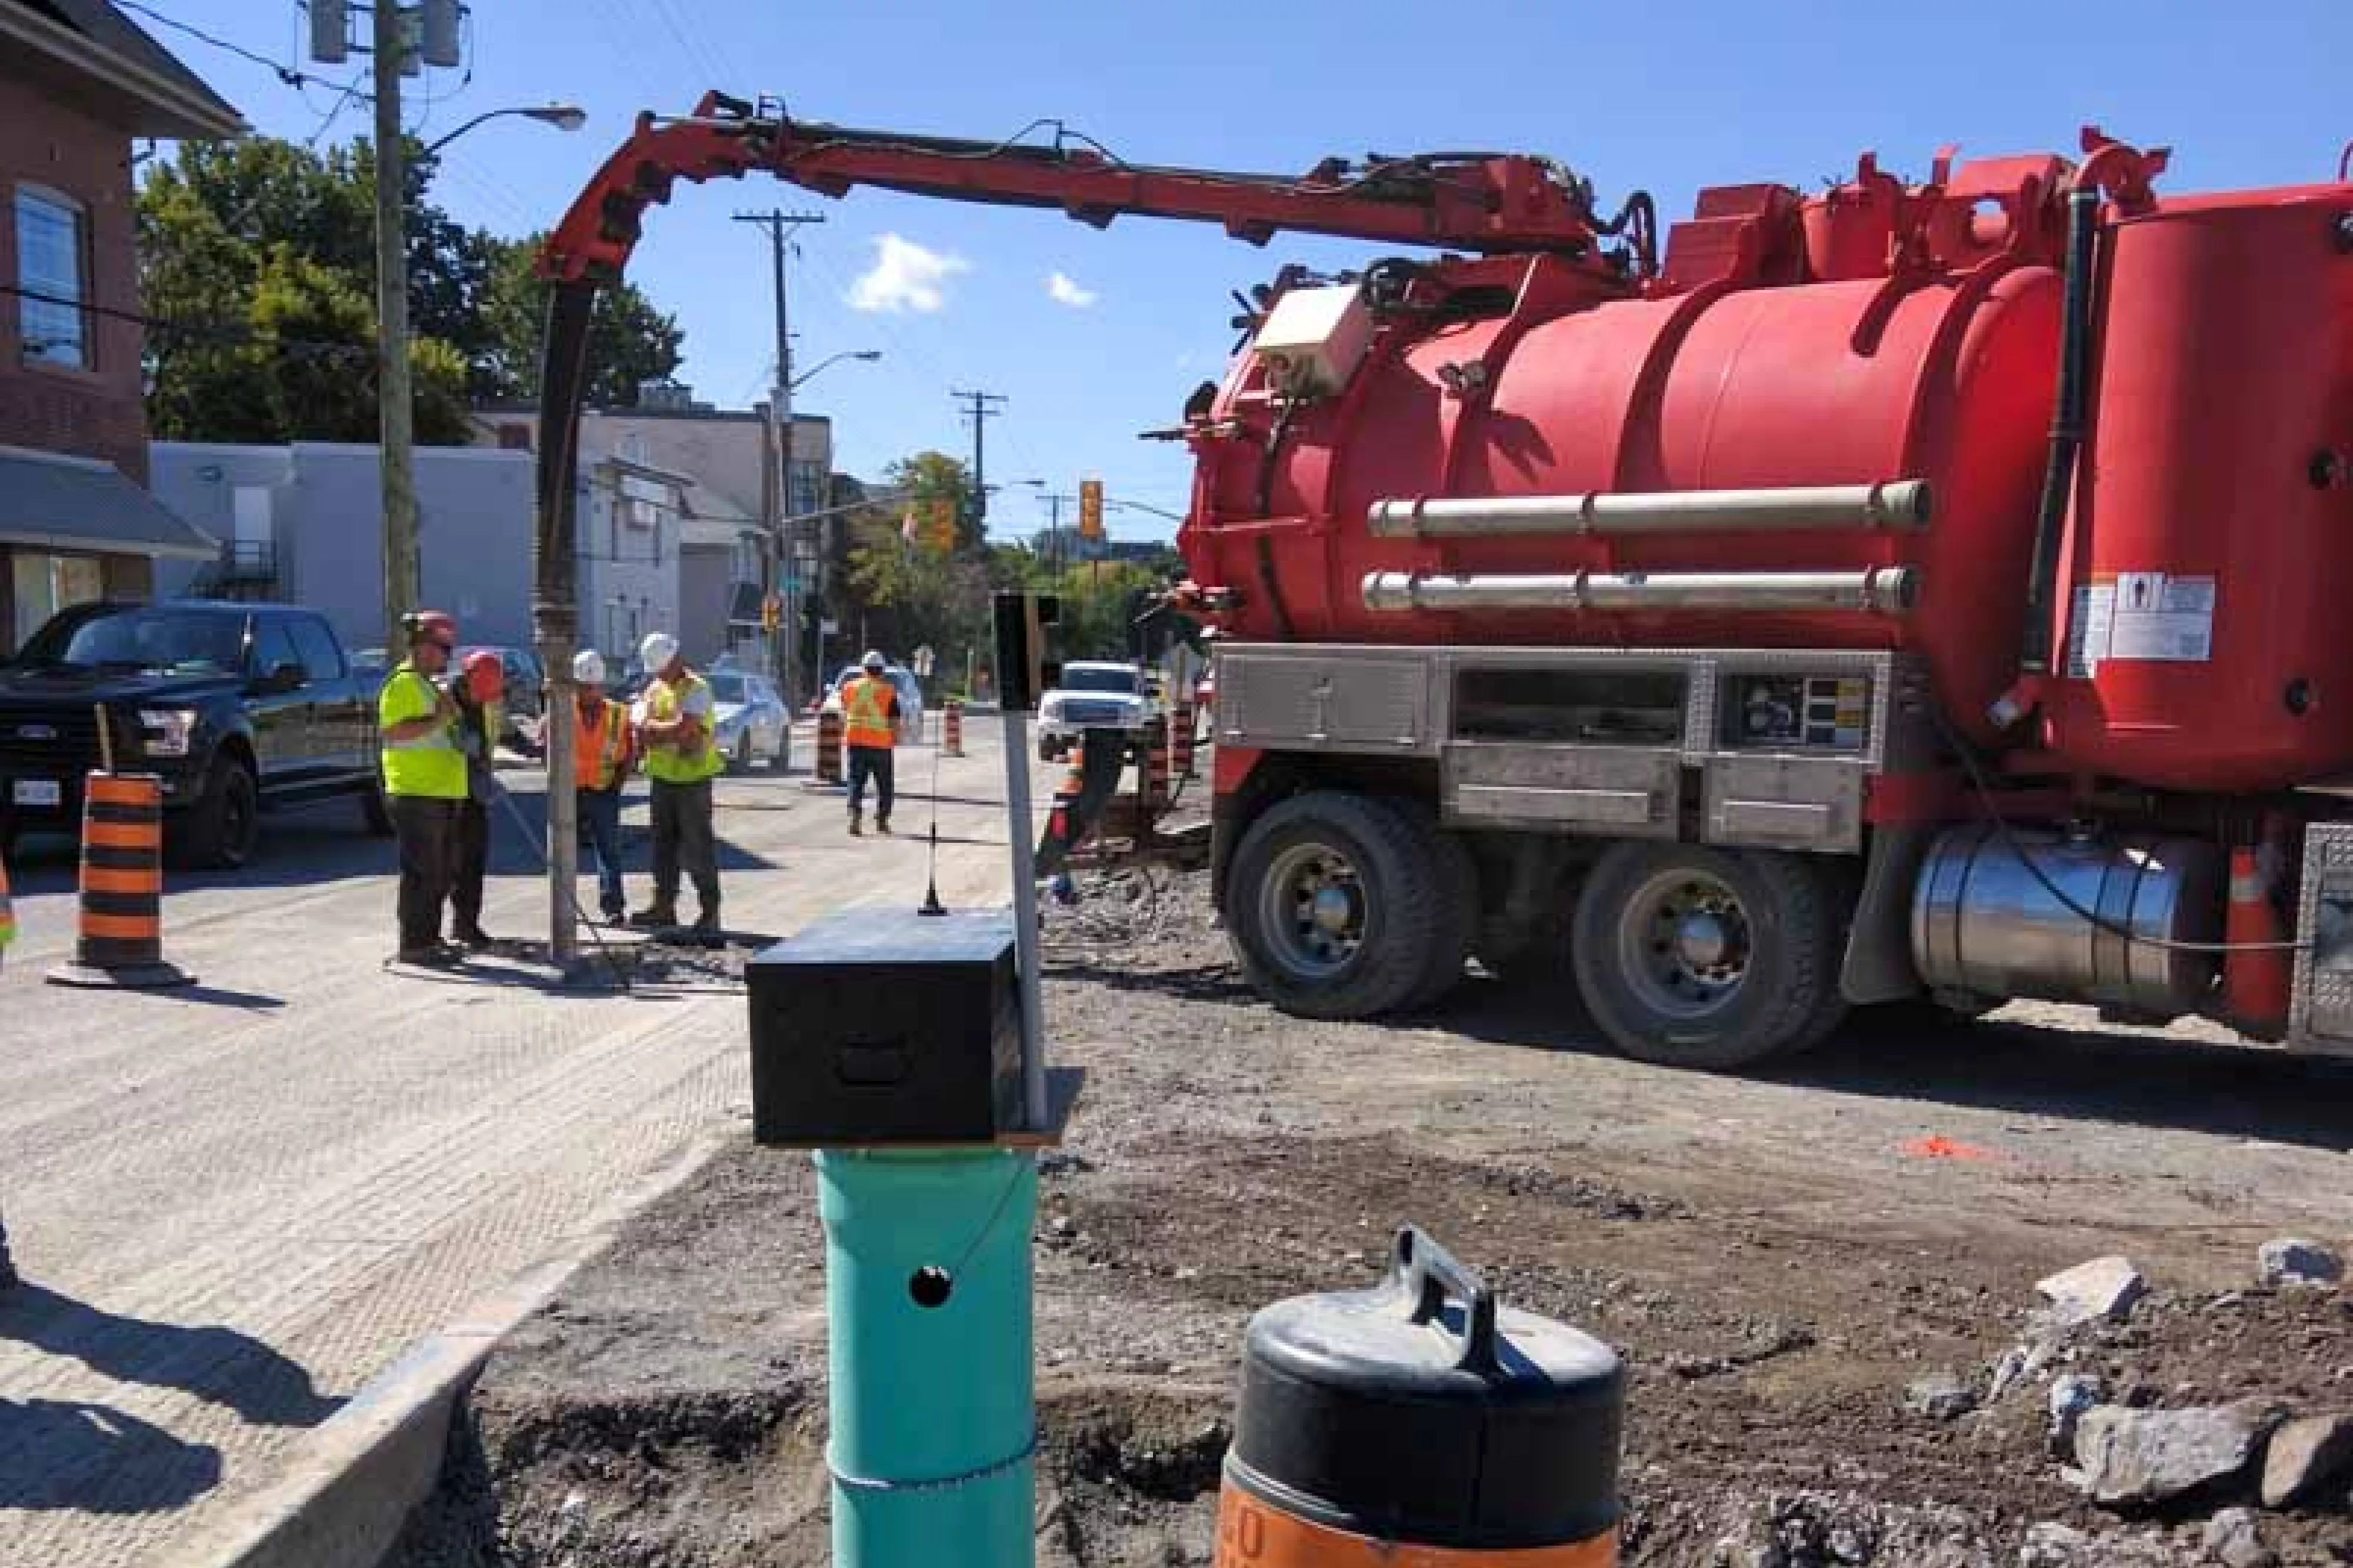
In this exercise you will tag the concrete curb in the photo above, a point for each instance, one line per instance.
(341, 1499)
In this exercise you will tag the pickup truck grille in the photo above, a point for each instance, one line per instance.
(1091, 714)
(47, 739)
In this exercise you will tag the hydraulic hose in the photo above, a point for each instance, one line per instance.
(2066, 427)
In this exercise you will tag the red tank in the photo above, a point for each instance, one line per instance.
(2211, 546)
(1762, 360)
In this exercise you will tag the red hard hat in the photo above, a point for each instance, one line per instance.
(486, 679)
(436, 625)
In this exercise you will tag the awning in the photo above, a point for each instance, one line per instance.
(51, 501)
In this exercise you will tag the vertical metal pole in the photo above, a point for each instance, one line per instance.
(555, 613)
(1025, 909)
(394, 406)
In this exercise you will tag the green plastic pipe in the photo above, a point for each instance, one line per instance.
(928, 1307)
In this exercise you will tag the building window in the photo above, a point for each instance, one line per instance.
(807, 483)
(44, 585)
(53, 271)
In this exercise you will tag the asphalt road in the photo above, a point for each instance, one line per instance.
(235, 1204)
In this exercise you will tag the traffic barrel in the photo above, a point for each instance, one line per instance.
(951, 738)
(2259, 970)
(1421, 1423)
(1156, 781)
(828, 747)
(1187, 722)
(121, 939)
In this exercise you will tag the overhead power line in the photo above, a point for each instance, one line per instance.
(218, 332)
(285, 73)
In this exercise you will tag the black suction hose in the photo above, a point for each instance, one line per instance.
(2066, 428)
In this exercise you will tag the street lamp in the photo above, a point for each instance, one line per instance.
(562, 116)
(395, 410)
(868, 355)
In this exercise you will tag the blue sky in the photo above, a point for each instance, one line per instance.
(1667, 99)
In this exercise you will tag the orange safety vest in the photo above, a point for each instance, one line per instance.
(865, 712)
(8, 913)
(599, 751)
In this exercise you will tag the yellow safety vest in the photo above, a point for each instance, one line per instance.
(431, 767)
(676, 764)
(865, 712)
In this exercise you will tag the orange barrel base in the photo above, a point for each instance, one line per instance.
(1421, 1424)
(829, 748)
(1253, 1533)
(120, 944)
(952, 729)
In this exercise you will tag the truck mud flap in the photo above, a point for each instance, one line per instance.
(1102, 759)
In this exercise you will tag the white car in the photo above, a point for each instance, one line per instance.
(910, 698)
(1091, 696)
(747, 718)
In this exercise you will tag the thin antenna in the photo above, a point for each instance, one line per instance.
(932, 905)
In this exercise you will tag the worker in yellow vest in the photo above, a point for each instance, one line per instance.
(673, 723)
(425, 779)
(600, 763)
(869, 729)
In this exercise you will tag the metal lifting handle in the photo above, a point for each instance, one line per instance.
(1430, 1276)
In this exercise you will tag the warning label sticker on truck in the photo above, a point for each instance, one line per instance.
(2146, 616)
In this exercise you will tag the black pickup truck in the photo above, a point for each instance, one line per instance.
(239, 708)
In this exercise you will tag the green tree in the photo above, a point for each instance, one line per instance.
(262, 255)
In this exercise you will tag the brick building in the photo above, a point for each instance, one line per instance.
(77, 83)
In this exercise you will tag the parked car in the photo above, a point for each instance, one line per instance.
(911, 697)
(525, 703)
(237, 708)
(1092, 696)
(748, 719)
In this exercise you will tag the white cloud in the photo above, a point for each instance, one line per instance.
(1066, 291)
(905, 276)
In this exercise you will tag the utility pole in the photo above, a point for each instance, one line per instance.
(783, 561)
(986, 406)
(1056, 551)
(395, 410)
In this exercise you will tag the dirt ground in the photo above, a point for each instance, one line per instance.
(1779, 1257)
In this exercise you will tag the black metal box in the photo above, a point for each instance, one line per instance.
(882, 1025)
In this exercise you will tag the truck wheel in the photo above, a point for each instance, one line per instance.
(1045, 750)
(1337, 905)
(1704, 958)
(375, 809)
(219, 832)
(741, 762)
(1456, 924)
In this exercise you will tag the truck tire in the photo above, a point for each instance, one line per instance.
(217, 832)
(1335, 904)
(1706, 957)
(376, 807)
(1456, 925)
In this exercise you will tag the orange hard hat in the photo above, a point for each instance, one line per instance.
(486, 679)
(432, 626)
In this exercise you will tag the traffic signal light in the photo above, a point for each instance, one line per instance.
(1091, 502)
(772, 613)
(940, 522)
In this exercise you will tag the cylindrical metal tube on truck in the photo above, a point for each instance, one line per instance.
(929, 1340)
(1983, 922)
(1887, 590)
(1894, 504)
(1419, 1423)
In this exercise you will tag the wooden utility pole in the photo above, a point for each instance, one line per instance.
(395, 409)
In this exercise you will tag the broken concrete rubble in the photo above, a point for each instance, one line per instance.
(2232, 1538)
(2104, 1289)
(2305, 1456)
(2290, 1260)
(2139, 1457)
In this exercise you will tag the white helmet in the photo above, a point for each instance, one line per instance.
(874, 661)
(589, 666)
(657, 651)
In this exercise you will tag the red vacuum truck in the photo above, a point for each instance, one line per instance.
(1907, 591)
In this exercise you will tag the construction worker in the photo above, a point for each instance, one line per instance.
(673, 721)
(425, 779)
(600, 760)
(479, 689)
(869, 729)
(7, 935)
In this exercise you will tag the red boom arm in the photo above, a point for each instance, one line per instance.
(1475, 202)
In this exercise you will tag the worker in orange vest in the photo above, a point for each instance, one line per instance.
(869, 728)
(601, 751)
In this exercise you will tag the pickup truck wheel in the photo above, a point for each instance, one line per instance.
(1336, 907)
(375, 809)
(1700, 958)
(219, 832)
(741, 762)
